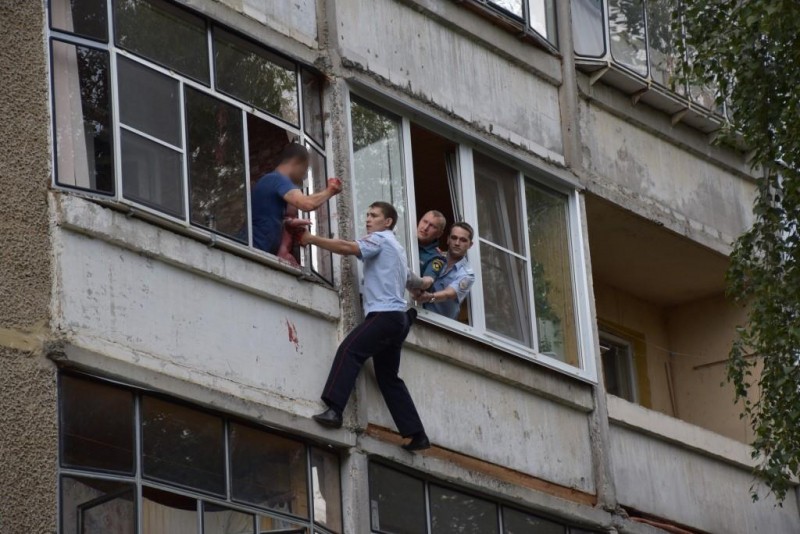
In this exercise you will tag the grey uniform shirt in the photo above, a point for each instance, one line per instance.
(385, 272)
(460, 277)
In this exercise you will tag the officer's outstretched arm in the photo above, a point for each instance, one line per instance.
(337, 246)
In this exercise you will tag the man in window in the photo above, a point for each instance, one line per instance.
(381, 335)
(430, 228)
(454, 281)
(276, 198)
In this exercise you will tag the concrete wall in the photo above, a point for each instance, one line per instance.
(28, 436)
(296, 19)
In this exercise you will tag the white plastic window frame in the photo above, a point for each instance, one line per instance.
(586, 370)
(114, 53)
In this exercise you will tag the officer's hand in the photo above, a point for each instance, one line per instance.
(335, 185)
(427, 282)
(424, 297)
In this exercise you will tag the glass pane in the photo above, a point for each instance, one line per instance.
(397, 501)
(88, 18)
(268, 470)
(167, 513)
(164, 33)
(543, 18)
(182, 445)
(149, 101)
(512, 6)
(587, 28)
(617, 368)
(377, 165)
(313, 119)
(554, 300)
(326, 489)
(219, 520)
(90, 506)
(515, 522)
(265, 143)
(321, 260)
(663, 59)
(505, 291)
(497, 187)
(152, 174)
(452, 511)
(277, 525)
(217, 176)
(83, 132)
(626, 27)
(255, 75)
(96, 425)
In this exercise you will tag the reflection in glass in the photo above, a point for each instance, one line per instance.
(87, 18)
(548, 231)
(164, 33)
(148, 101)
(256, 76)
(377, 165)
(397, 501)
(96, 425)
(167, 513)
(543, 18)
(512, 6)
(268, 470)
(453, 511)
(588, 28)
(267, 525)
(321, 260)
(152, 174)
(326, 489)
(497, 187)
(505, 291)
(81, 97)
(91, 506)
(313, 118)
(182, 445)
(217, 177)
(626, 28)
(660, 37)
(220, 520)
(515, 522)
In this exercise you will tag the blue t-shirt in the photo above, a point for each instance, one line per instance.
(385, 272)
(268, 210)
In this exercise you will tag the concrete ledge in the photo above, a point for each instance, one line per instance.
(83, 216)
(689, 436)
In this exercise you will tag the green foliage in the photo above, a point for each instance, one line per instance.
(750, 50)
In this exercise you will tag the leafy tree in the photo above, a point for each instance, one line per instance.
(750, 50)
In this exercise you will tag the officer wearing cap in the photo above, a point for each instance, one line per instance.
(430, 228)
(381, 335)
(455, 279)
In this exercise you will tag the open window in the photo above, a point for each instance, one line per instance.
(619, 371)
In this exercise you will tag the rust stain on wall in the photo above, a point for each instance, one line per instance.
(293, 339)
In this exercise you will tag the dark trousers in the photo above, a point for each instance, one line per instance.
(379, 337)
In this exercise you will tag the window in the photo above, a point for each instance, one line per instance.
(126, 453)
(638, 36)
(178, 116)
(619, 371)
(529, 292)
(538, 15)
(404, 503)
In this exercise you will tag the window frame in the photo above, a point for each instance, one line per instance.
(630, 364)
(526, 170)
(117, 197)
(139, 480)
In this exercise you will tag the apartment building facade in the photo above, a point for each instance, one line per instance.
(158, 373)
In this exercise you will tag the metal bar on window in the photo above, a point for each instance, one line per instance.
(411, 207)
(504, 250)
(427, 506)
(212, 82)
(186, 184)
(137, 417)
(529, 270)
(470, 207)
(580, 278)
(151, 138)
(246, 140)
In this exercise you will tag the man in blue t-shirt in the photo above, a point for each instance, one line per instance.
(277, 196)
(381, 335)
(429, 229)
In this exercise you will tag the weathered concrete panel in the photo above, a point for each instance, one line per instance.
(140, 309)
(644, 170)
(297, 19)
(494, 421)
(671, 481)
(419, 55)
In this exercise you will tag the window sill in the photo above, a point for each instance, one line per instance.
(194, 250)
(434, 336)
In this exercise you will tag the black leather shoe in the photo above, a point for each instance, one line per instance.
(419, 442)
(329, 418)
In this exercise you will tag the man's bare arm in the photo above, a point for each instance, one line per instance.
(303, 202)
(447, 293)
